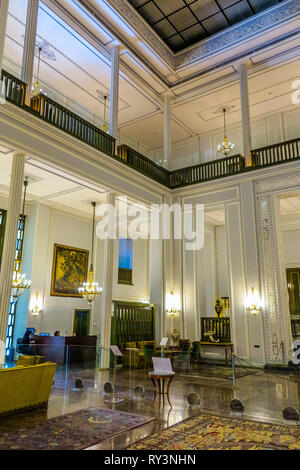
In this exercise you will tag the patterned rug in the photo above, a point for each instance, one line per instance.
(211, 432)
(73, 431)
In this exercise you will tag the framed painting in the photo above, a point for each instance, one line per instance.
(69, 270)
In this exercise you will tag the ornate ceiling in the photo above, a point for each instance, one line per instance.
(181, 23)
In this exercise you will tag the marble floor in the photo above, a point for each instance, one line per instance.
(264, 395)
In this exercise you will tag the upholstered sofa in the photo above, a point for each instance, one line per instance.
(29, 360)
(25, 387)
(137, 353)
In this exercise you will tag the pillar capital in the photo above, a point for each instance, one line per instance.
(167, 93)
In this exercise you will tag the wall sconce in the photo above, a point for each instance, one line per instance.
(37, 306)
(253, 302)
(172, 304)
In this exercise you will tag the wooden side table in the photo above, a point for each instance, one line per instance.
(158, 380)
(226, 346)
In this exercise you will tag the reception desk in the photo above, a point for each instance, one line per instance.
(79, 350)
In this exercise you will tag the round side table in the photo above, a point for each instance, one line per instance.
(158, 380)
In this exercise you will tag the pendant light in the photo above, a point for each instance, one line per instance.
(19, 282)
(227, 147)
(91, 289)
(36, 89)
(104, 127)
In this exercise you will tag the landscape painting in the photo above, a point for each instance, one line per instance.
(69, 270)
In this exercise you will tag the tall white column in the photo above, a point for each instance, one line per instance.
(108, 263)
(29, 46)
(167, 129)
(7, 265)
(245, 108)
(3, 25)
(114, 92)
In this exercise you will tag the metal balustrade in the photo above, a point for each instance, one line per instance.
(144, 165)
(207, 171)
(132, 322)
(125, 276)
(57, 115)
(216, 328)
(13, 88)
(71, 123)
(277, 153)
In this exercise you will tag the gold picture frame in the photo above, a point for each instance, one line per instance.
(69, 270)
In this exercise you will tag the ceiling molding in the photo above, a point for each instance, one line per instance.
(247, 29)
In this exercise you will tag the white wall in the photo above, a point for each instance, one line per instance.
(47, 226)
(291, 248)
(223, 288)
(269, 130)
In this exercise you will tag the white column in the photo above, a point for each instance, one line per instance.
(3, 25)
(114, 92)
(7, 265)
(252, 275)
(236, 266)
(167, 129)
(108, 263)
(29, 46)
(245, 108)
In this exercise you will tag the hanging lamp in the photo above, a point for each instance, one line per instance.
(104, 127)
(91, 289)
(226, 147)
(36, 89)
(19, 282)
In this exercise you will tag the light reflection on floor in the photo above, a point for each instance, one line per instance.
(263, 394)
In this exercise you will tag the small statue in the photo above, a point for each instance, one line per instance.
(175, 336)
(211, 334)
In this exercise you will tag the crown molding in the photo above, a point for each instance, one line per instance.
(242, 32)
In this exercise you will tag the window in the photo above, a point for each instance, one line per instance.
(125, 261)
(13, 302)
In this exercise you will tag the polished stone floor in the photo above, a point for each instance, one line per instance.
(263, 394)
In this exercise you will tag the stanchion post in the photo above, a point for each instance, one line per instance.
(67, 366)
(129, 391)
(114, 377)
(233, 370)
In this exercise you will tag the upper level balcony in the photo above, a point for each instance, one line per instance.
(67, 121)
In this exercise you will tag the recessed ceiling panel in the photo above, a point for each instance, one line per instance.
(181, 23)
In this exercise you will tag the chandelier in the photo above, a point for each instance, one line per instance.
(104, 127)
(253, 302)
(162, 163)
(36, 89)
(91, 289)
(19, 281)
(226, 147)
(173, 304)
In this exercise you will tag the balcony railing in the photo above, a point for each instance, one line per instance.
(57, 115)
(125, 276)
(71, 123)
(277, 153)
(207, 171)
(142, 164)
(14, 88)
(215, 329)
